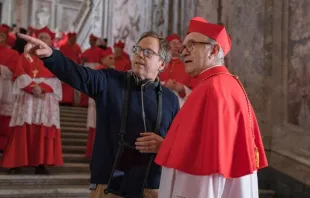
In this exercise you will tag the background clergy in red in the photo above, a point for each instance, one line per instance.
(73, 51)
(35, 139)
(107, 60)
(175, 76)
(8, 62)
(122, 59)
(90, 57)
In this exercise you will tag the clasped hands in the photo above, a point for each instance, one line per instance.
(149, 142)
(37, 91)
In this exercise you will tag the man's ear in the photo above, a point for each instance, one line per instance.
(215, 50)
(162, 67)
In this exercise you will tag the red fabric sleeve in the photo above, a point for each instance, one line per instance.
(29, 88)
(46, 88)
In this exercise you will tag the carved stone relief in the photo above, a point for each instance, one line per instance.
(298, 93)
(126, 22)
(42, 11)
(160, 17)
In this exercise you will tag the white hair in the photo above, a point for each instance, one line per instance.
(219, 58)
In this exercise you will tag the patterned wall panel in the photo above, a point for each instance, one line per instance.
(298, 92)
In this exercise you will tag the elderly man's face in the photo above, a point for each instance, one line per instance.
(147, 65)
(118, 52)
(108, 60)
(196, 53)
(175, 45)
(46, 38)
(92, 42)
(3, 37)
(72, 40)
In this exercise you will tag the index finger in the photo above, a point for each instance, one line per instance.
(30, 39)
(146, 133)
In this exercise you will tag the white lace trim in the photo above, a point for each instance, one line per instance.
(20, 83)
(5, 72)
(32, 110)
(6, 91)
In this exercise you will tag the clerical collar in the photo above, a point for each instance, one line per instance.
(210, 68)
(208, 72)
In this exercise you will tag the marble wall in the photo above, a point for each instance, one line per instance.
(298, 97)
(133, 17)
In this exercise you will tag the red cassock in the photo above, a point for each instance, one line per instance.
(122, 63)
(11, 39)
(8, 62)
(176, 71)
(35, 138)
(212, 131)
(72, 52)
(91, 121)
(91, 55)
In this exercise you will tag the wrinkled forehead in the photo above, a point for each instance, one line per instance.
(150, 43)
(195, 36)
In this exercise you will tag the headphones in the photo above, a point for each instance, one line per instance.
(146, 82)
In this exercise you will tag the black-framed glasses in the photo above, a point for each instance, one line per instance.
(146, 52)
(190, 46)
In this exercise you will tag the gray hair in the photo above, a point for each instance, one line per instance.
(164, 49)
(219, 59)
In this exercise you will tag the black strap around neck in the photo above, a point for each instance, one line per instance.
(126, 106)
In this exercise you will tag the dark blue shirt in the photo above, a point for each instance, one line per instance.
(107, 88)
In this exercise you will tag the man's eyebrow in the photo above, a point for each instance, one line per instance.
(146, 48)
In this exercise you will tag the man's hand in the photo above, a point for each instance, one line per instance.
(149, 142)
(178, 87)
(35, 47)
(170, 84)
(37, 91)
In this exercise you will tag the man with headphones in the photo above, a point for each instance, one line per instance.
(134, 113)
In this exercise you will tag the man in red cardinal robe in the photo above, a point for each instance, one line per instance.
(58, 42)
(174, 76)
(8, 62)
(31, 31)
(107, 61)
(35, 139)
(90, 58)
(122, 60)
(213, 148)
(73, 51)
(11, 38)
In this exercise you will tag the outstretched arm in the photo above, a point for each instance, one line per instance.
(81, 78)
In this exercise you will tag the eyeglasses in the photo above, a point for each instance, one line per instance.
(146, 52)
(190, 46)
